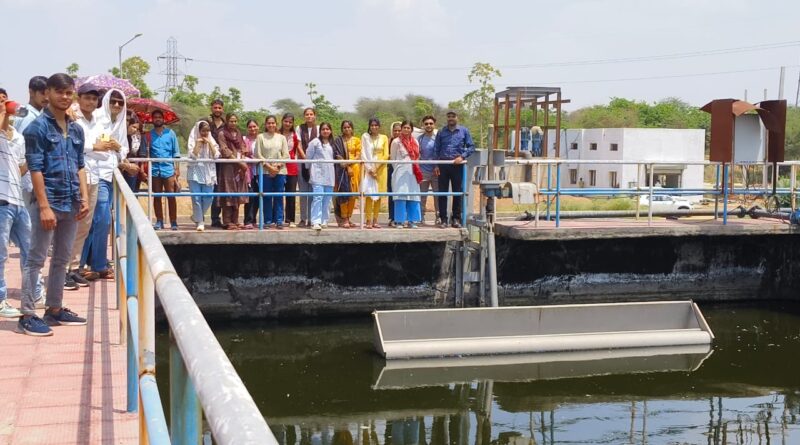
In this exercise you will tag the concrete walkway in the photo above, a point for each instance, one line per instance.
(68, 388)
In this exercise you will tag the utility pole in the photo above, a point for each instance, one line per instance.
(797, 95)
(171, 72)
(780, 83)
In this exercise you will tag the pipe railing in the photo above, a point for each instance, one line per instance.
(202, 378)
(261, 194)
(720, 190)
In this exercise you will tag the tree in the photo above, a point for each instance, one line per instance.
(326, 111)
(135, 69)
(187, 94)
(232, 100)
(287, 105)
(480, 102)
(72, 69)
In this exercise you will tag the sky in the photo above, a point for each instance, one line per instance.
(433, 42)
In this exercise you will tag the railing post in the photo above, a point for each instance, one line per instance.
(650, 201)
(185, 412)
(547, 196)
(260, 172)
(558, 194)
(361, 197)
(131, 291)
(792, 186)
(638, 187)
(716, 194)
(725, 172)
(150, 191)
(464, 192)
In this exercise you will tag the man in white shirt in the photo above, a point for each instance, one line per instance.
(15, 223)
(88, 95)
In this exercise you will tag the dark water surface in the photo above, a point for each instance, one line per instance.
(323, 384)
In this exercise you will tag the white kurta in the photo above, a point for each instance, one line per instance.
(320, 173)
(403, 179)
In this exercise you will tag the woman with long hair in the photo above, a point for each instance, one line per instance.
(321, 175)
(251, 208)
(390, 171)
(135, 172)
(306, 132)
(374, 147)
(272, 145)
(202, 176)
(342, 174)
(293, 141)
(406, 177)
(232, 176)
(352, 145)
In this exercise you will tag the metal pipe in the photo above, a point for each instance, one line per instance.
(650, 200)
(638, 185)
(558, 194)
(147, 318)
(261, 197)
(464, 195)
(725, 192)
(716, 196)
(153, 411)
(185, 413)
(547, 201)
(132, 346)
(232, 414)
(492, 264)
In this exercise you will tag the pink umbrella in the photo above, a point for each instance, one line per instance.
(107, 82)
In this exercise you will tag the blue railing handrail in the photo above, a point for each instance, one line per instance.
(145, 270)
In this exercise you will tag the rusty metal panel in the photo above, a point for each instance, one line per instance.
(721, 129)
(775, 121)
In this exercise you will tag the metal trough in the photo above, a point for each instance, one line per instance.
(425, 333)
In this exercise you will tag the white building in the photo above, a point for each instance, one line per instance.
(673, 147)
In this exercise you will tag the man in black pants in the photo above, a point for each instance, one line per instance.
(217, 121)
(453, 143)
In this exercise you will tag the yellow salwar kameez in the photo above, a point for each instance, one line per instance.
(353, 147)
(374, 149)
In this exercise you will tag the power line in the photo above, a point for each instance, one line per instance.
(660, 57)
(560, 82)
(171, 72)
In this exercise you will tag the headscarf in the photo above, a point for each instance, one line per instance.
(412, 146)
(119, 126)
(195, 135)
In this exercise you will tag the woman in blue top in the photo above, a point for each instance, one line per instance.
(321, 175)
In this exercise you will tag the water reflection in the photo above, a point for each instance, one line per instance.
(320, 385)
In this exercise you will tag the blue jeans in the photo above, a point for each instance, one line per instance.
(95, 249)
(273, 205)
(61, 238)
(15, 226)
(321, 205)
(406, 210)
(200, 204)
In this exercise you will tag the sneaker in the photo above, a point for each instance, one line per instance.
(158, 225)
(200, 227)
(317, 227)
(173, 226)
(64, 317)
(34, 326)
(78, 279)
(69, 283)
(413, 226)
(324, 225)
(8, 311)
(292, 225)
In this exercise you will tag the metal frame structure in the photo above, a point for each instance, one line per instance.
(202, 378)
(464, 194)
(519, 98)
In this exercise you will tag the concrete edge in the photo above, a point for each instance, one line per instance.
(305, 237)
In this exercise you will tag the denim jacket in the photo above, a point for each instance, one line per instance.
(58, 159)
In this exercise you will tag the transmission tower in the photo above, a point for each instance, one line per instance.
(171, 72)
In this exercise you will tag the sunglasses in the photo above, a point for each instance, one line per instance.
(428, 123)
(117, 102)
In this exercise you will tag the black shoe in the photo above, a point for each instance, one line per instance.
(456, 224)
(216, 223)
(70, 284)
(78, 279)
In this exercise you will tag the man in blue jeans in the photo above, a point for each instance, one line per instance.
(15, 224)
(54, 153)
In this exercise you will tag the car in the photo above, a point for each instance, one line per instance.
(666, 203)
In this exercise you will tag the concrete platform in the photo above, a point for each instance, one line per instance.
(68, 388)
(332, 235)
(605, 228)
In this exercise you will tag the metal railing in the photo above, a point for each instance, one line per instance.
(261, 194)
(201, 377)
(723, 177)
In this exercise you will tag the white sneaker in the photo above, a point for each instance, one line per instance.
(200, 227)
(324, 225)
(8, 311)
(317, 227)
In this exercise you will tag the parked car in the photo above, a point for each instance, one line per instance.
(666, 203)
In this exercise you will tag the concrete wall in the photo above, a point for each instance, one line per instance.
(301, 281)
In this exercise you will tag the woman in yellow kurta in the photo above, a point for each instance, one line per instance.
(374, 147)
(353, 146)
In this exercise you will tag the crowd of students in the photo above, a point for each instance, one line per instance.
(219, 137)
(58, 154)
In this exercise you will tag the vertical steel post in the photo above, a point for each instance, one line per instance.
(650, 201)
(558, 194)
(261, 197)
(793, 185)
(716, 195)
(547, 196)
(132, 346)
(464, 192)
(131, 275)
(150, 191)
(638, 187)
(725, 194)
(186, 416)
(147, 318)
